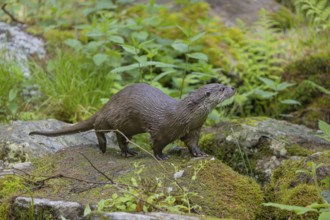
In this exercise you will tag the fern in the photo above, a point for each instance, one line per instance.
(317, 86)
(316, 11)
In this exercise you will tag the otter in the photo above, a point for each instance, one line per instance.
(141, 108)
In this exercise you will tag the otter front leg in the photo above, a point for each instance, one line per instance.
(191, 140)
(123, 144)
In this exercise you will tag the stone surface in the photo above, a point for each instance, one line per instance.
(18, 45)
(258, 145)
(17, 146)
(47, 209)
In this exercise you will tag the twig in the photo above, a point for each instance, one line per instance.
(3, 7)
(108, 178)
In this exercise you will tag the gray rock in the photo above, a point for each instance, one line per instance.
(47, 209)
(16, 146)
(18, 45)
(259, 145)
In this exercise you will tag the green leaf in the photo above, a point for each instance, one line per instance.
(13, 108)
(130, 49)
(264, 94)
(116, 39)
(297, 209)
(87, 210)
(100, 205)
(282, 86)
(196, 37)
(198, 56)
(143, 64)
(12, 94)
(324, 216)
(324, 127)
(158, 77)
(180, 46)
(268, 82)
(290, 102)
(74, 43)
(142, 35)
(100, 58)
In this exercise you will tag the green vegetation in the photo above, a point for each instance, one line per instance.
(102, 46)
(279, 66)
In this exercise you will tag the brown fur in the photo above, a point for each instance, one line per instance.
(141, 108)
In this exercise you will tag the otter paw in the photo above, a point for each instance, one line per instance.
(198, 153)
(162, 157)
(128, 153)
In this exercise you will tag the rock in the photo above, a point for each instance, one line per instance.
(57, 210)
(255, 146)
(46, 209)
(215, 182)
(19, 45)
(16, 146)
(287, 186)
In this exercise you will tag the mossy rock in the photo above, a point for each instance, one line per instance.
(315, 104)
(255, 146)
(221, 192)
(290, 187)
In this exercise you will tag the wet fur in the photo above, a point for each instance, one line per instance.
(141, 108)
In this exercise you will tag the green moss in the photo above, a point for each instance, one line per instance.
(9, 187)
(231, 197)
(301, 195)
(206, 141)
(289, 187)
(297, 150)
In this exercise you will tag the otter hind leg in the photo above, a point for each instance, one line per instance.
(123, 144)
(158, 147)
(102, 141)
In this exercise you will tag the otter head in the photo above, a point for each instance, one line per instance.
(216, 93)
(210, 95)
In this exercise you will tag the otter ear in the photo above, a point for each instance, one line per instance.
(208, 93)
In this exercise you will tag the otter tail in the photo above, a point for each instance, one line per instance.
(79, 127)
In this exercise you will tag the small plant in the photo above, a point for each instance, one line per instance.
(11, 79)
(322, 209)
(147, 195)
(325, 128)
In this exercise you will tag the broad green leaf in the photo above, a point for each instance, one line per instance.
(198, 56)
(297, 209)
(130, 49)
(74, 43)
(100, 205)
(268, 82)
(180, 46)
(158, 77)
(140, 59)
(87, 210)
(264, 94)
(139, 65)
(324, 127)
(116, 39)
(282, 86)
(141, 35)
(13, 108)
(12, 94)
(228, 101)
(196, 37)
(100, 58)
(324, 216)
(290, 102)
